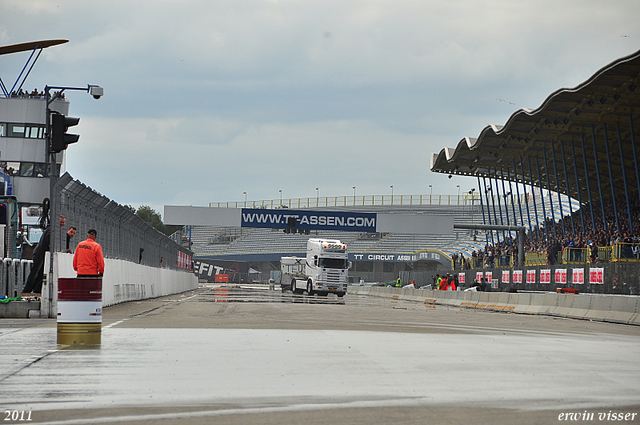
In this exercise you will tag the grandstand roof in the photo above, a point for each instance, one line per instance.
(600, 114)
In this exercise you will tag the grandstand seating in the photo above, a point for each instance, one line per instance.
(216, 241)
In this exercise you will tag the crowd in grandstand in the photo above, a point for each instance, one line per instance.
(35, 93)
(578, 230)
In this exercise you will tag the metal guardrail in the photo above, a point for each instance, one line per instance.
(354, 201)
(13, 276)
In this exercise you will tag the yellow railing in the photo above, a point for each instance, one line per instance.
(498, 262)
(575, 255)
(535, 259)
(625, 252)
(605, 254)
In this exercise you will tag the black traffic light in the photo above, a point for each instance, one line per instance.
(59, 137)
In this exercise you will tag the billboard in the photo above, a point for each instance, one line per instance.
(308, 220)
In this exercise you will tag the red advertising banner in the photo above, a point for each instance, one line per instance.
(596, 276)
(461, 277)
(545, 276)
(479, 276)
(531, 276)
(561, 276)
(517, 276)
(505, 276)
(222, 278)
(489, 276)
(578, 276)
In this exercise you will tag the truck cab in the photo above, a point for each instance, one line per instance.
(324, 270)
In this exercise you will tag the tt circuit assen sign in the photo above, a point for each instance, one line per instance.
(309, 220)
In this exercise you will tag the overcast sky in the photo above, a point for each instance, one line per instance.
(205, 100)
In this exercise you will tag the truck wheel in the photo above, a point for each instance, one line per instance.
(309, 286)
(293, 286)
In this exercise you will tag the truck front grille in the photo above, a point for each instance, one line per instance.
(332, 277)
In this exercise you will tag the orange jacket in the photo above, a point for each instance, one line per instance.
(444, 283)
(88, 258)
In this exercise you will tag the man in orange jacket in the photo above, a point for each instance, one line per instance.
(88, 260)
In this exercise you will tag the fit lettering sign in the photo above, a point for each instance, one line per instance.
(309, 220)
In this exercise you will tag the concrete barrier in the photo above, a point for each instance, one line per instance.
(549, 302)
(19, 309)
(470, 299)
(522, 302)
(580, 307)
(609, 308)
(635, 320)
(600, 306)
(622, 310)
(123, 281)
(564, 303)
(500, 302)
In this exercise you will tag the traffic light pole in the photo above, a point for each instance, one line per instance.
(96, 92)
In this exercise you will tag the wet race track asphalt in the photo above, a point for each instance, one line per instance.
(236, 355)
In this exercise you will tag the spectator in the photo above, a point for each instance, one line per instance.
(34, 281)
(70, 234)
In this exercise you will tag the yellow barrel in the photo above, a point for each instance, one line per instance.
(79, 333)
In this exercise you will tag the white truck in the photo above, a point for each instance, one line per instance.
(323, 271)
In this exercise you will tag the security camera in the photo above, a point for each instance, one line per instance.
(96, 92)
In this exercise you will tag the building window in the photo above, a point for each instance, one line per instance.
(10, 168)
(29, 131)
(25, 169)
(41, 170)
(16, 130)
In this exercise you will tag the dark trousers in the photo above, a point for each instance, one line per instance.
(34, 281)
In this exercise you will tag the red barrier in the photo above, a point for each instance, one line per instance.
(567, 291)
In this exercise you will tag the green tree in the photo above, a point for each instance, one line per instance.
(152, 217)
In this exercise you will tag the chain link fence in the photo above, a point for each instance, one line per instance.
(122, 234)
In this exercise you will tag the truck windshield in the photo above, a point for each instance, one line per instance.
(333, 263)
